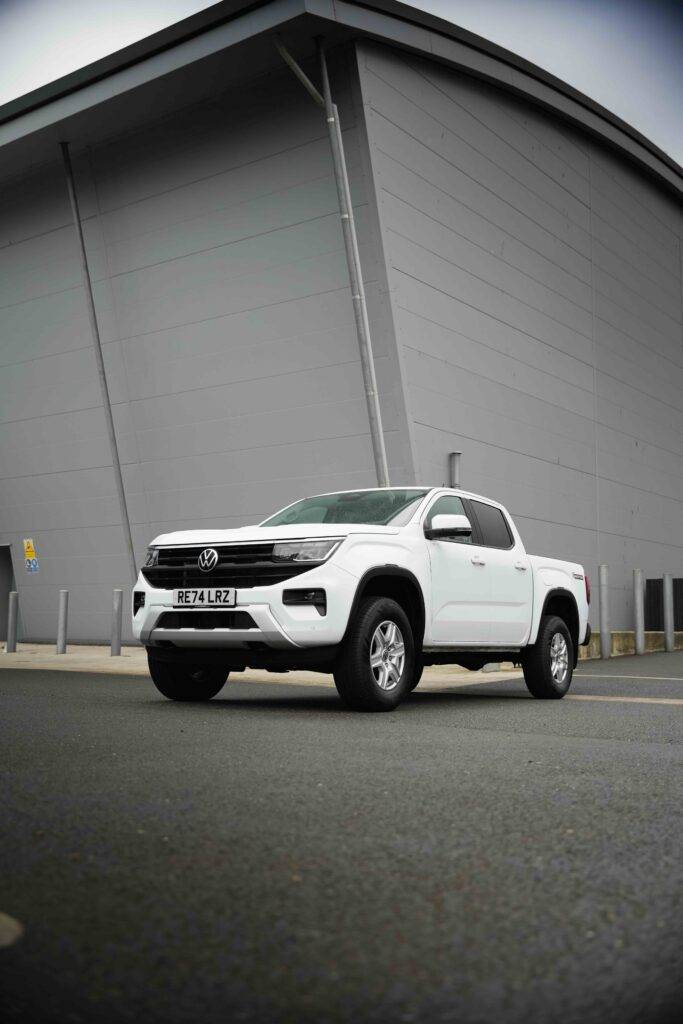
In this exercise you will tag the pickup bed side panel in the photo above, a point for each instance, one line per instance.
(551, 574)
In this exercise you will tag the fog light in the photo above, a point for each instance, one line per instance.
(138, 601)
(318, 598)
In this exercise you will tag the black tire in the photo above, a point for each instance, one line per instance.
(355, 679)
(186, 682)
(537, 662)
(417, 673)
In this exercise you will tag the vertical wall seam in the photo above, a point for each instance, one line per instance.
(680, 264)
(370, 174)
(594, 361)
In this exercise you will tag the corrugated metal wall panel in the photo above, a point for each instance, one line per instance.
(536, 291)
(531, 279)
(232, 359)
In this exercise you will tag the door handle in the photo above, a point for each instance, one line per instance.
(521, 566)
(477, 560)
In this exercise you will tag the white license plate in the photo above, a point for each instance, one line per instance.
(205, 597)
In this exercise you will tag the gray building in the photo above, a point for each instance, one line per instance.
(521, 250)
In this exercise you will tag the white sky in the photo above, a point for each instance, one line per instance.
(626, 54)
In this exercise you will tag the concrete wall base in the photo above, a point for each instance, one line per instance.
(623, 642)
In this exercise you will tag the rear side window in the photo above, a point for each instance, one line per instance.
(495, 532)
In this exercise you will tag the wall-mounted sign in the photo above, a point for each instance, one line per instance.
(30, 556)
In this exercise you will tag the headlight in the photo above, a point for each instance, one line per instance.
(306, 550)
(152, 557)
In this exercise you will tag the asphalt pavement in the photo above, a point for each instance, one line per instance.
(474, 857)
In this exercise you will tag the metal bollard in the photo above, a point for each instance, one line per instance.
(12, 617)
(639, 609)
(603, 604)
(62, 621)
(668, 590)
(117, 610)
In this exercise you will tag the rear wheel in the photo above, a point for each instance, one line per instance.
(417, 673)
(548, 664)
(186, 682)
(375, 666)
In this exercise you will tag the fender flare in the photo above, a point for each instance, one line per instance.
(390, 570)
(563, 593)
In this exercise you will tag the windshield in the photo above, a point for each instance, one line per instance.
(386, 507)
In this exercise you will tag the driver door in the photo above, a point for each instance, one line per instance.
(460, 583)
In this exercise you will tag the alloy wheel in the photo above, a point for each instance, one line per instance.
(387, 655)
(559, 658)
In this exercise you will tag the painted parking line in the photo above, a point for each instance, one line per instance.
(603, 675)
(625, 700)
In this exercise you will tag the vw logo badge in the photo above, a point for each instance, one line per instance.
(208, 559)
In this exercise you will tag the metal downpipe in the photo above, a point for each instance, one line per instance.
(97, 344)
(360, 310)
(356, 277)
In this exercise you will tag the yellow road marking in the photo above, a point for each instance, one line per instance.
(625, 700)
(603, 675)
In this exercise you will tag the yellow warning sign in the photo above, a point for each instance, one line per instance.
(30, 556)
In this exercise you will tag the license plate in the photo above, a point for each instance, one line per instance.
(205, 597)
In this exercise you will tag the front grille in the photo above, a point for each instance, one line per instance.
(239, 565)
(205, 620)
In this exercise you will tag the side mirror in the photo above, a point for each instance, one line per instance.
(445, 527)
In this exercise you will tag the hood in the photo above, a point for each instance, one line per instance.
(250, 534)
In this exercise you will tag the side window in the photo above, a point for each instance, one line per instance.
(450, 505)
(493, 526)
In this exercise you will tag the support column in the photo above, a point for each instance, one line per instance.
(12, 616)
(668, 592)
(116, 623)
(639, 609)
(603, 607)
(62, 620)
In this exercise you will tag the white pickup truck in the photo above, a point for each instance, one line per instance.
(370, 585)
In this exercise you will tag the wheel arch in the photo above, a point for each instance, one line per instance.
(399, 584)
(562, 602)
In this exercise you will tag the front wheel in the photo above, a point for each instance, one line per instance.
(376, 663)
(548, 664)
(186, 682)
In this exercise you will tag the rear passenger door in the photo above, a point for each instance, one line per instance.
(510, 576)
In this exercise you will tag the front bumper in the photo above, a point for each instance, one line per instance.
(277, 626)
